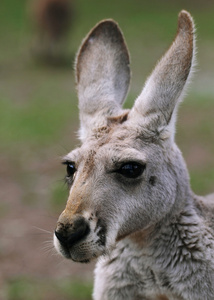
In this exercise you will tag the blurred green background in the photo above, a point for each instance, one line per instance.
(39, 121)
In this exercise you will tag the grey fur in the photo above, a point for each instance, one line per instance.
(153, 236)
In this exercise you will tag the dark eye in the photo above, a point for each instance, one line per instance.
(131, 170)
(70, 169)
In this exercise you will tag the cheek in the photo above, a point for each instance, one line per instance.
(134, 219)
(159, 196)
(128, 208)
(147, 204)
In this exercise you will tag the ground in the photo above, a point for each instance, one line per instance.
(39, 121)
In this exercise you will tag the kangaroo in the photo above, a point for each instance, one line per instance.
(52, 20)
(130, 201)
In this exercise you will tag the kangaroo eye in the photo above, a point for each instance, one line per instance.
(131, 170)
(70, 169)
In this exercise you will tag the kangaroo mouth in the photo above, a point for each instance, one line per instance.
(83, 252)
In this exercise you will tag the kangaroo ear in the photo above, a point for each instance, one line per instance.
(164, 88)
(102, 75)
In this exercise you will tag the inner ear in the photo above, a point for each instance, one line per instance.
(102, 65)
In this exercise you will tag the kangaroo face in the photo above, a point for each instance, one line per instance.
(127, 174)
(119, 184)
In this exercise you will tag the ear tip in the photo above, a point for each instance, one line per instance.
(106, 27)
(106, 23)
(109, 31)
(185, 22)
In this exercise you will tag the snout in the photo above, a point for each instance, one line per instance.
(81, 237)
(69, 234)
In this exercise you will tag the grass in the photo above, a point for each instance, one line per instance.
(40, 120)
(39, 115)
(22, 288)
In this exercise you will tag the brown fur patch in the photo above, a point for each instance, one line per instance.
(101, 132)
(118, 119)
(162, 297)
(77, 200)
(141, 237)
(103, 135)
(89, 162)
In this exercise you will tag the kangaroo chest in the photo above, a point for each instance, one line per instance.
(132, 274)
(127, 274)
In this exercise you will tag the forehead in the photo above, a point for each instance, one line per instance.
(115, 141)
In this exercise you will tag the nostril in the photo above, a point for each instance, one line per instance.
(69, 235)
(61, 237)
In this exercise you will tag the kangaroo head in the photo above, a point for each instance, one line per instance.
(128, 174)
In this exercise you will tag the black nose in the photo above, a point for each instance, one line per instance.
(70, 234)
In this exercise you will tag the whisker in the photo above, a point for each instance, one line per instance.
(48, 247)
(61, 260)
(48, 242)
(43, 230)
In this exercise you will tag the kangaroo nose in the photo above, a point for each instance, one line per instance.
(70, 234)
